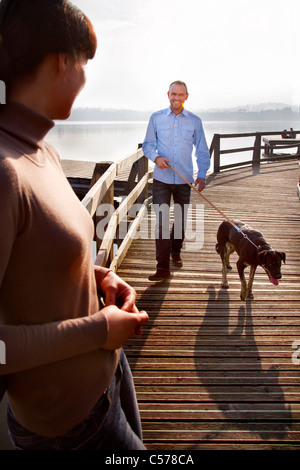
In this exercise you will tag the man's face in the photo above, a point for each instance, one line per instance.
(177, 96)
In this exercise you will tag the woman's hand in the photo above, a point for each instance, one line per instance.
(122, 325)
(118, 292)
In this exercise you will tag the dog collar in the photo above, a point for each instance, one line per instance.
(263, 247)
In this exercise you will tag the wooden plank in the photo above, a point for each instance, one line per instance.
(78, 169)
(93, 198)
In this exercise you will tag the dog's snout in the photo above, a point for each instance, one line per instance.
(278, 276)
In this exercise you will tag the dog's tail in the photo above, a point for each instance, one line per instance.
(218, 248)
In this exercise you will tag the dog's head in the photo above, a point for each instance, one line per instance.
(271, 261)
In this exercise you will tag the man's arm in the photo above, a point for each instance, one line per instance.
(150, 141)
(202, 155)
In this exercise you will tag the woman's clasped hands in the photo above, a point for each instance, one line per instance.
(123, 318)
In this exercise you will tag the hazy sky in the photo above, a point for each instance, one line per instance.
(229, 52)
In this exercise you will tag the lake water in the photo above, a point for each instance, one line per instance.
(112, 140)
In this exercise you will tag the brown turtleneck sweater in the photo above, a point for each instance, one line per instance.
(49, 311)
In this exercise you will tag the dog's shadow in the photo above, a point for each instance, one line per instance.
(234, 378)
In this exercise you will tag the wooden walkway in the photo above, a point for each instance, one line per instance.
(213, 372)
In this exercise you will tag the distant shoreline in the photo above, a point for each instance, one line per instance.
(98, 114)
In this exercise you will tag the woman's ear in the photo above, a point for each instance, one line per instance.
(61, 63)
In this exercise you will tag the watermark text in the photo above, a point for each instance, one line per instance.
(187, 221)
(2, 352)
(2, 92)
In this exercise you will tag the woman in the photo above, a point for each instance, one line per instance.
(68, 383)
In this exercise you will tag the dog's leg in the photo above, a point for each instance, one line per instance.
(225, 284)
(229, 249)
(225, 253)
(241, 268)
(250, 282)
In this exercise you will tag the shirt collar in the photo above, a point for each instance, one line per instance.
(169, 111)
(24, 123)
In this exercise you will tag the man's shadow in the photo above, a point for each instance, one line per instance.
(233, 377)
(151, 300)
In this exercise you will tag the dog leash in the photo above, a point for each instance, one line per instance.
(212, 205)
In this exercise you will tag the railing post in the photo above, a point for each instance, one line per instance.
(143, 166)
(131, 178)
(216, 149)
(139, 169)
(256, 150)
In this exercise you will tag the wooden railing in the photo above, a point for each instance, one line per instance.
(102, 196)
(216, 151)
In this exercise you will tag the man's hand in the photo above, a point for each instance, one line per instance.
(162, 162)
(200, 184)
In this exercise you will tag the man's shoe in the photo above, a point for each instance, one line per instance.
(176, 258)
(159, 276)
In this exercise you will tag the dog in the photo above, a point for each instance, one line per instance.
(256, 252)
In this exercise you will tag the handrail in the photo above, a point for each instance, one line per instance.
(216, 152)
(119, 214)
(96, 194)
(102, 192)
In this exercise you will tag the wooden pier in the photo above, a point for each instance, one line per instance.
(211, 372)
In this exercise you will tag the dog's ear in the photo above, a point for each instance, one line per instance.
(282, 255)
(261, 257)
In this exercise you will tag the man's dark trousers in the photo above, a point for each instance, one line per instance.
(166, 242)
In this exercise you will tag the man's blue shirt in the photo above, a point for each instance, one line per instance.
(174, 137)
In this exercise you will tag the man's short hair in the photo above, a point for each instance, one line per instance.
(179, 82)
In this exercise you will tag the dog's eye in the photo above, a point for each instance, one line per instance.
(276, 263)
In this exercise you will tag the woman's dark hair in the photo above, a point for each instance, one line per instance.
(32, 29)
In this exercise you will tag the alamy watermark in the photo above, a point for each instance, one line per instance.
(2, 352)
(2, 92)
(160, 221)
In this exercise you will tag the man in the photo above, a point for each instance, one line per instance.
(171, 136)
